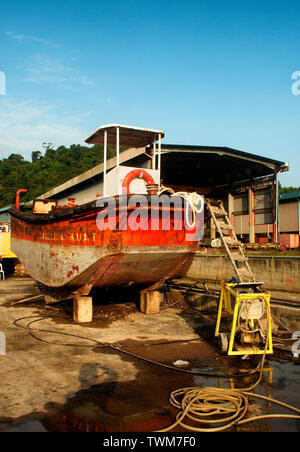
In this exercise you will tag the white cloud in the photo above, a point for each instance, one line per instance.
(30, 38)
(25, 126)
(42, 69)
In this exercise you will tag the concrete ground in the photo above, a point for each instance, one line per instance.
(57, 382)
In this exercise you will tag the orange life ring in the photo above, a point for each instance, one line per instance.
(136, 174)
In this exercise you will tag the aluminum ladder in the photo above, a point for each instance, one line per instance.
(233, 246)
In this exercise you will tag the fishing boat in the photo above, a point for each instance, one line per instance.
(136, 232)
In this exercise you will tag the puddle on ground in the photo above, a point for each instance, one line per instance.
(142, 405)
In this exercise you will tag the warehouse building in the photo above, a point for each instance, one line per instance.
(247, 183)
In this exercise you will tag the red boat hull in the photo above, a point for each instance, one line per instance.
(68, 250)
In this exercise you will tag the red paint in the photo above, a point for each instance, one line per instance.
(84, 231)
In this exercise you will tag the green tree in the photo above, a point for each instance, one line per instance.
(48, 168)
(36, 155)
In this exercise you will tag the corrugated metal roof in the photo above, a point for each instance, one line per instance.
(213, 166)
(230, 152)
(4, 209)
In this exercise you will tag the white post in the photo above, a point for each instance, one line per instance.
(118, 158)
(105, 159)
(159, 156)
(154, 155)
(118, 146)
(159, 150)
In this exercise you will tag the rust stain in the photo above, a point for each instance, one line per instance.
(290, 282)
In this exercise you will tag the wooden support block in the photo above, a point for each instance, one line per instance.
(82, 309)
(150, 301)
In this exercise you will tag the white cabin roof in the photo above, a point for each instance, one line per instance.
(135, 137)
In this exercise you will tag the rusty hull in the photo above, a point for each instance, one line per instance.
(61, 250)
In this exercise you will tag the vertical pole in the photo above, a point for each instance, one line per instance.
(104, 166)
(251, 216)
(277, 203)
(275, 208)
(276, 212)
(241, 226)
(230, 202)
(154, 155)
(298, 216)
(118, 146)
(230, 206)
(159, 151)
(159, 157)
(118, 159)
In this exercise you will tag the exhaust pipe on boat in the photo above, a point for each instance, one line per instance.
(22, 190)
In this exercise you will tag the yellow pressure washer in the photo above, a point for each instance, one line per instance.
(247, 310)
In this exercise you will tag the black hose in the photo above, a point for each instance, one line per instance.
(116, 348)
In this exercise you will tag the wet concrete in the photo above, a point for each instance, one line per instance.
(79, 385)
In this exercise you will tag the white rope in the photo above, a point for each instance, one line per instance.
(192, 199)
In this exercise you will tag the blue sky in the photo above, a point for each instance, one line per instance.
(209, 73)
